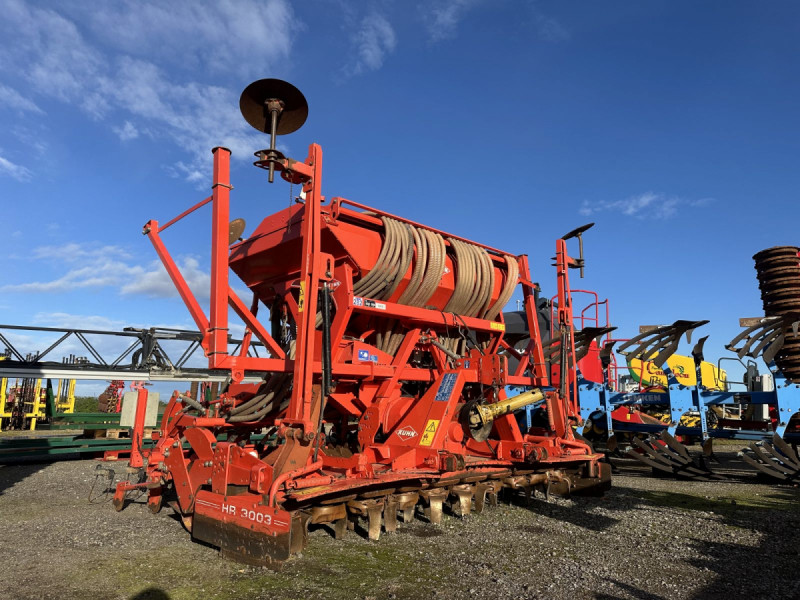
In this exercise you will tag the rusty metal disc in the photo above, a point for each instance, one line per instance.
(780, 292)
(780, 282)
(235, 230)
(777, 261)
(775, 251)
(770, 296)
(254, 110)
(785, 305)
(777, 273)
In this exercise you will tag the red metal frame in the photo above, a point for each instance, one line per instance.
(401, 436)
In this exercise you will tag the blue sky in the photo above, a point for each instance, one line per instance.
(672, 125)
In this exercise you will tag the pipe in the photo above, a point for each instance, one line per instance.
(362, 283)
(510, 284)
(273, 490)
(194, 404)
(327, 381)
(444, 349)
(265, 408)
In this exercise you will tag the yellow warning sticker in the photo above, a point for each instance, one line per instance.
(301, 301)
(497, 326)
(430, 431)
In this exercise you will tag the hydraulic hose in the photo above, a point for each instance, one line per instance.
(512, 278)
(193, 403)
(380, 264)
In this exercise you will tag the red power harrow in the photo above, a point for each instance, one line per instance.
(385, 384)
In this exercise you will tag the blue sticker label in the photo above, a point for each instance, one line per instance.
(446, 387)
(358, 301)
(363, 355)
(466, 364)
(373, 358)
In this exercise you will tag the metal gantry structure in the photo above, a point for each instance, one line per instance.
(144, 357)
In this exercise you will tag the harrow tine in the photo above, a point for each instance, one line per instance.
(664, 340)
(764, 455)
(481, 489)
(654, 454)
(778, 458)
(390, 515)
(464, 492)
(764, 468)
(669, 453)
(434, 498)
(786, 450)
(406, 503)
(339, 528)
(372, 509)
(770, 462)
(766, 325)
(772, 351)
(675, 445)
(649, 462)
(585, 337)
(673, 458)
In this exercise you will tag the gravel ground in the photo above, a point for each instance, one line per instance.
(648, 538)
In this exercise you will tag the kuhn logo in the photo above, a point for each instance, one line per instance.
(406, 433)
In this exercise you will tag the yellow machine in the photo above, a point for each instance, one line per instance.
(24, 403)
(648, 374)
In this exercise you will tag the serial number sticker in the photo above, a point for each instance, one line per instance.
(250, 515)
(372, 304)
(497, 326)
(429, 433)
(446, 387)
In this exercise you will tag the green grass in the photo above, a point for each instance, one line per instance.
(739, 504)
(338, 570)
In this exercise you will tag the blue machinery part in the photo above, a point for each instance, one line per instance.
(768, 452)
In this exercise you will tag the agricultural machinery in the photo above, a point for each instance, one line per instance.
(640, 396)
(693, 398)
(384, 390)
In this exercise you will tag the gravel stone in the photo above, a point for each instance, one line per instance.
(646, 539)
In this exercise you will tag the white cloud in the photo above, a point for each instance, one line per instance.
(373, 40)
(155, 281)
(245, 36)
(110, 267)
(72, 251)
(64, 320)
(549, 29)
(31, 135)
(127, 132)
(442, 17)
(11, 98)
(646, 205)
(14, 170)
(97, 274)
(111, 73)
